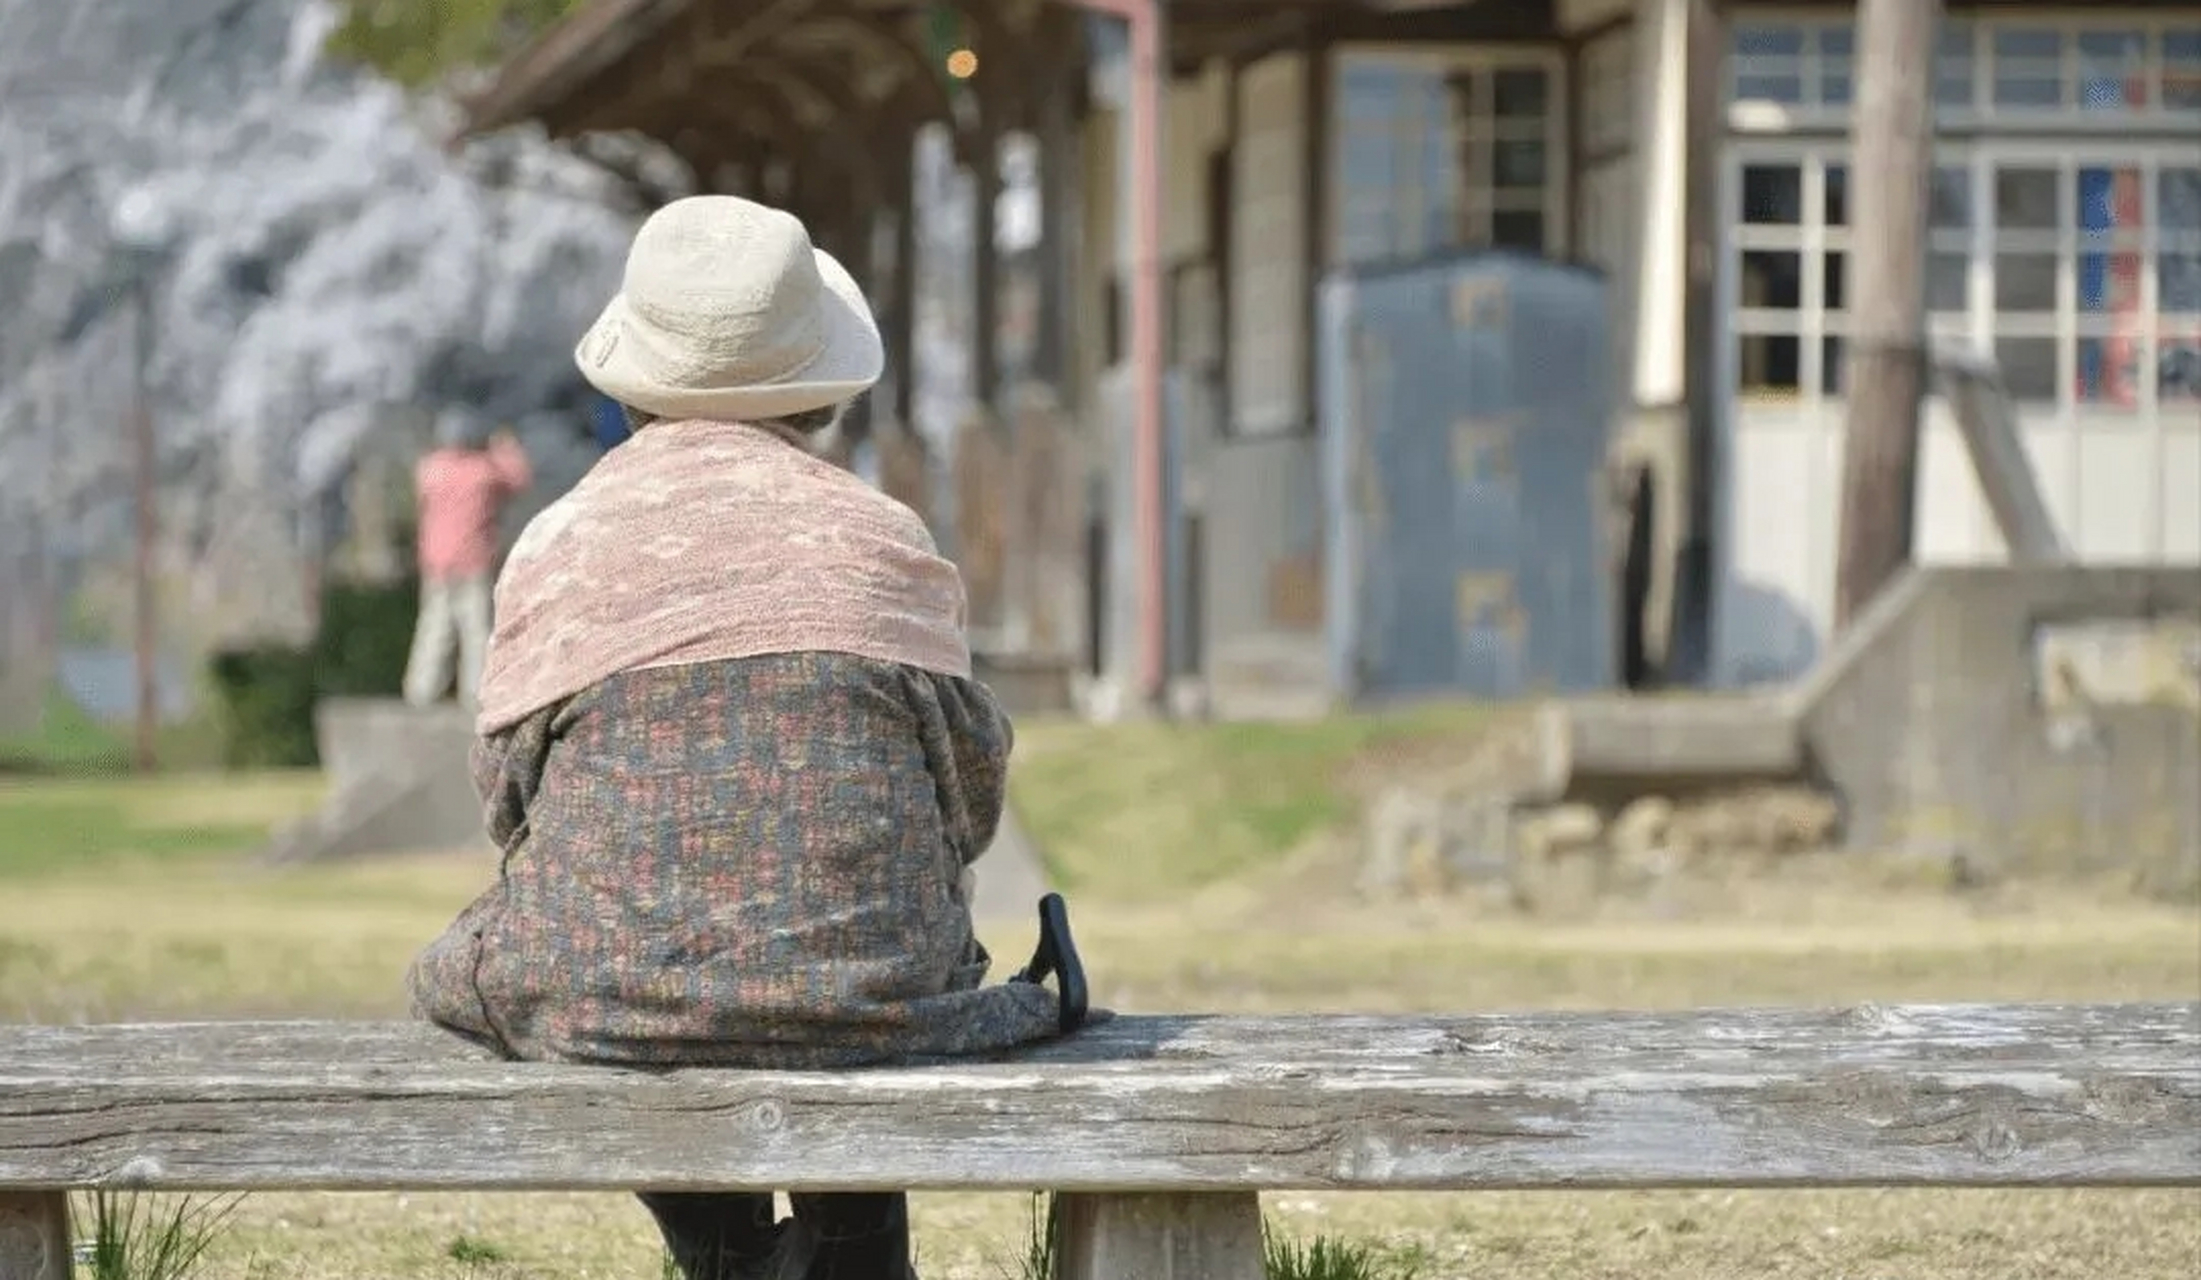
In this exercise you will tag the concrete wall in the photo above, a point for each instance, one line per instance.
(1942, 728)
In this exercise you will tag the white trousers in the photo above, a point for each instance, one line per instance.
(454, 620)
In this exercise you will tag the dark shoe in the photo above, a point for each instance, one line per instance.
(1057, 955)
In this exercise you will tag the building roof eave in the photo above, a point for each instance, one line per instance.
(565, 57)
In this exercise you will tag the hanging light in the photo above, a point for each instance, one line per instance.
(963, 64)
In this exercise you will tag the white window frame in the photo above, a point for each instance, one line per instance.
(1981, 326)
(1552, 203)
(1769, 117)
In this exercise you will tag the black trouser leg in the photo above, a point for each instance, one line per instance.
(715, 1236)
(860, 1236)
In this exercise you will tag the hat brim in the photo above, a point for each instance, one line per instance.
(624, 357)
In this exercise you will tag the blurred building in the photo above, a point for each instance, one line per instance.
(1692, 154)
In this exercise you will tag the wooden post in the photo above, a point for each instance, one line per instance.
(1885, 373)
(985, 262)
(34, 1235)
(144, 567)
(902, 297)
(1212, 1236)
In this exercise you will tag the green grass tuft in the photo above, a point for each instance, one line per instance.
(473, 1252)
(139, 1238)
(1334, 1258)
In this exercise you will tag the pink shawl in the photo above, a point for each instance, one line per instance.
(701, 541)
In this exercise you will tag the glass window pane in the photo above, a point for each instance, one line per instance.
(1947, 278)
(2018, 88)
(1953, 66)
(2028, 368)
(2182, 69)
(1950, 201)
(2025, 282)
(1772, 279)
(1830, 366)
(1464, 94)
(1835, 89)
(1369, 90)
(1835, 207)
(2178, 282)
(2025, 199)
(1837, 42)
(1521, 94)
(2043, 44)
(1517, 229)
(2108, 372)
(2108, 283)
(1833, 281)
(1771, 362)
(1772, 194)
(1784, 87)
(2112, 70)
(2109, 200)
(2178, 368)
(1518, 164)
(2178, 200)
(1759, 41)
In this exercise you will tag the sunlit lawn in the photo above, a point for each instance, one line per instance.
(121, 900)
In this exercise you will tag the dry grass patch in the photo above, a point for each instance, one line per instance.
(131, 932)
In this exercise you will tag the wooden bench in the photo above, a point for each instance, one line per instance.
(1161, 1132)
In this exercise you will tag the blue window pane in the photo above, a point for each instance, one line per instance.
(2178, 282)
(1770, 88)
(1834, 88)
(2178, 369)
(2108, 372)
(2109, 283)
(1955, 41)
(2109, 200)
(2182, 45)
(2016, 89)
(2112, 70)
(2178, 200)
(1758, 42)
(1837, 42)
(1953, 86)
(2029, 43)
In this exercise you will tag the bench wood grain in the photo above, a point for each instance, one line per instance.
(1935, 1095)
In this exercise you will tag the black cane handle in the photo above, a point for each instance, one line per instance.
(1057, 956)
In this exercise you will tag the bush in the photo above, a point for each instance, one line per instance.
(267, 692)
(366, 632)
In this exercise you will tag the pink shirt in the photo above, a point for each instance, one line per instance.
(461, 491)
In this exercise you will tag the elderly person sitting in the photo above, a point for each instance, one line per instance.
(730, 744)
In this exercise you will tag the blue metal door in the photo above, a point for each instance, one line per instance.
(1465, 418)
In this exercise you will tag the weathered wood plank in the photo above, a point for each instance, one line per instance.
(1211, 1236)
(34, 1235)
(1962, 1095)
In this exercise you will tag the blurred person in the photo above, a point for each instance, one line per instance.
(730, 743)
(462, 487)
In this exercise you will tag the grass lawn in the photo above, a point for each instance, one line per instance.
(122, 900)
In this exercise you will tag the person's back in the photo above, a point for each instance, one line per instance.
(461, 487)
(462, 491)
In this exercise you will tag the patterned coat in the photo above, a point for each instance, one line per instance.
(750, 863)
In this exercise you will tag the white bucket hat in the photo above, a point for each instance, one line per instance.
(729, 314)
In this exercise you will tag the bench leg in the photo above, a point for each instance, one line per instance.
(34, 1235)
(1205, 1236)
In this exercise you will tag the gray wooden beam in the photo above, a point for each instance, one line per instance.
(1934, 1095)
